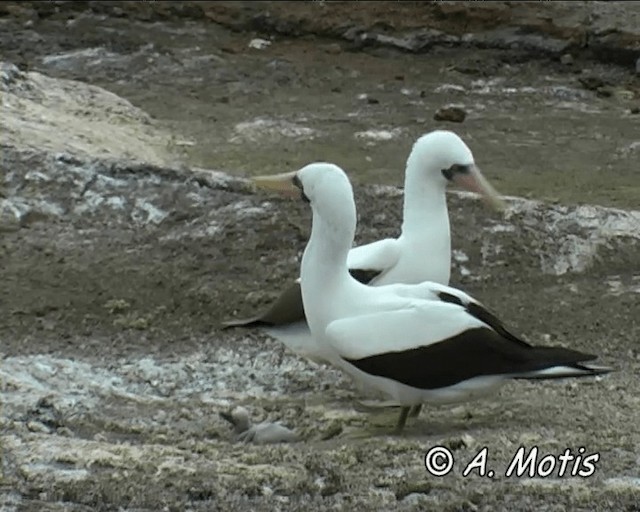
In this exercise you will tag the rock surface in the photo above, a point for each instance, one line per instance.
(602, 30)
(123, 244)
(48, 115)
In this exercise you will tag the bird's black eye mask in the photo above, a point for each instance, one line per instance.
(454, 170)
(298, 184)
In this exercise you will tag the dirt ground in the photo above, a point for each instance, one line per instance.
(120, 253)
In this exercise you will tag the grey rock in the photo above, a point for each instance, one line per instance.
(450, 113)
(511, 38)
(9, 75)
(567, 59)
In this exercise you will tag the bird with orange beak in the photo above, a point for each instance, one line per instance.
(421, 253)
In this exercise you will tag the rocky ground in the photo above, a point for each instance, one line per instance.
(128, 232)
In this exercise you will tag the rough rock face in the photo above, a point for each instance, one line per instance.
(52, 115)
(117, 264)
(97, 154)
(606, 31)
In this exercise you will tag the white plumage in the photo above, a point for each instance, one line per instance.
(422, 252)
(416, 343)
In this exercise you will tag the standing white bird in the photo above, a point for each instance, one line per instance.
(416, 343)
(421, 253)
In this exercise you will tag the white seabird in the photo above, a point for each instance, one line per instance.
(422, 252)
(415, 343)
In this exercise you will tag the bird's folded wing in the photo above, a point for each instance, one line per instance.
(435, 291)
(439, 344)
(418, 324)
(379, 256)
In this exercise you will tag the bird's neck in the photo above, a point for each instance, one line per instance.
(425, 226)
(324, 266)
(425, 205)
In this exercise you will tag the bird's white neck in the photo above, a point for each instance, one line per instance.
(425, 226)
(324, 262)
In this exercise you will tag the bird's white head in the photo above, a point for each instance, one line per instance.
(441, 157)
(321, 183)
(327, 189)
(324, 185)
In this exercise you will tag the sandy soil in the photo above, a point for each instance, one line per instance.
(122, 248)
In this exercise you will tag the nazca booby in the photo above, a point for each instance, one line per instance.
(422, 252)
(418, 343)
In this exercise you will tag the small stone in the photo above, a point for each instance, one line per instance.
(450, 113)
(634, 110)
(468, 440)
(160, 416)
(638, 66)
(604, 92)
(469, 506)
(591, 83)
(332, 49)
(407, 488)
(456, 443)
(529, 438)
(624, 94)
(567, 59)
(36, 426)
(334, 430)
(372, 101)
(31, 217)
(259, 44)
(117, 306)
(458, 410)
(64, 432)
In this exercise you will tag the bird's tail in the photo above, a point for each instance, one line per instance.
(558, 363)
(287, 308)
(565, 371)
(243, 322)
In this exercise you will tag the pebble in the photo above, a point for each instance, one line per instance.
(36, 426)
(591, 82)
(332, 49)
(624, 94)
(604, 92)
(468, 440)
(259, 44)
(450, 113)
(567, 59)
(64, 432)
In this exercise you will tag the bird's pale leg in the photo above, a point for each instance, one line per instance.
(415, 411)
(404, 412)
